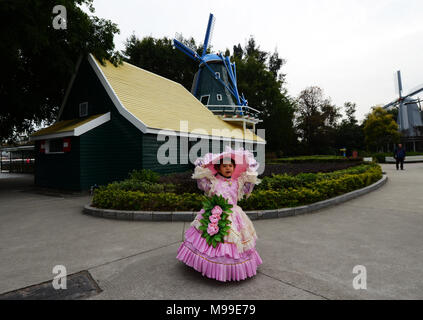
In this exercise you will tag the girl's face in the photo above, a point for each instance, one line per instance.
(226, 169)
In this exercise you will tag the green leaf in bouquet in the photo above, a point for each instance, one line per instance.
(214, 243)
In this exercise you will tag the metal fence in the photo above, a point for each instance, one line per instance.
(17, 160)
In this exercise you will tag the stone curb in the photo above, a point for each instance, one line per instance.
(188, 216)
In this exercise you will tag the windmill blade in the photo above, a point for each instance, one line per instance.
(228, 66)
(209, 33)
(414, 92)
(390, 104)
(398, 83)
(189, 52)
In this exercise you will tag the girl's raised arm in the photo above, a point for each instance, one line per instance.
(248, 188)
(203, 176)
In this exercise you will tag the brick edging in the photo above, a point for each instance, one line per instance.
(253, 215)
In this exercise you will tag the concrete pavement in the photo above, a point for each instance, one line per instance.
(304, 257)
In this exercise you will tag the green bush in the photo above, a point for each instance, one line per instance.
(380, 157)
(137, 185)
(309, 192)
(282, 181)
(274, 192)
(314, 159)
(144, 175)
(137, 200)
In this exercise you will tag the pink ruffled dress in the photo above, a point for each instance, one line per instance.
(236, 258)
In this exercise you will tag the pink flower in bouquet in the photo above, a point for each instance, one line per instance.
(217, 211)
(214, 219)
(200, 213)
(212, 229)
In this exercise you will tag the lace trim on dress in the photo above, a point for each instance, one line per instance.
(247, 176)
(200, 173)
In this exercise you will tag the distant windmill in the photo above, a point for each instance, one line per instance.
(215, 83)
(409, 113)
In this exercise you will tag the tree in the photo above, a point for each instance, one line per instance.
(349, 133)
(260, 80)
(38, 60)
(316, 121)
(160, 57)
(394, 112)
(380, 129)
(258, 74)
(350, 109)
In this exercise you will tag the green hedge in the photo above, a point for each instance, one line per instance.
(282, 181)
(137, 200)
(314, 159)
(306, 192)
(274, 192)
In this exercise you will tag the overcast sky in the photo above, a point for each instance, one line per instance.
(349, 48)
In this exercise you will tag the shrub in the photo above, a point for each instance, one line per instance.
(379, 157)
(309, 192)
(137, 185)
(315, 159)
(182, 181)
(274, 192)
(136, 200)
(144, 175)
(281, 181)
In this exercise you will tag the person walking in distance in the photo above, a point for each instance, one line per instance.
(399, 155)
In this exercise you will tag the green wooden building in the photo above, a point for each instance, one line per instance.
(113, 120)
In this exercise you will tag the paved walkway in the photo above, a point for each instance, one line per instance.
(305, 257)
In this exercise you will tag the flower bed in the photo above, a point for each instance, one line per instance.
(276, 191)
(306, 167)
(286, 191)
(317, 158)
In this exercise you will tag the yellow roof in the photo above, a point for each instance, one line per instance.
(64, 126)
(160, 103)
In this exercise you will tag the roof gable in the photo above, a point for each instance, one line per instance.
(152, 102)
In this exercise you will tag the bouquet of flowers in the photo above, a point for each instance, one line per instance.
(215, 223)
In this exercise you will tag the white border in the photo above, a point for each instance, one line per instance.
(208, 100)
(92, 124)
(112, 94)
(201, 136)
(77, 131)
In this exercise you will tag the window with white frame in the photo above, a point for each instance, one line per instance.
(219, 97)
(217, 75)
(54, 146)
(205, 100)
(83, 109)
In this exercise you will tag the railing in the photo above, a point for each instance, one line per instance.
(233, 110)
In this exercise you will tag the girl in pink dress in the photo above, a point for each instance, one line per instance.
(231, 174)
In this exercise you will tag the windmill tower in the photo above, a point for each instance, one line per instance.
(215, 84)
(409, 114)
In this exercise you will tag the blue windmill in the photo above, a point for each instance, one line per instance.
(215, 83)
(409, 113)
